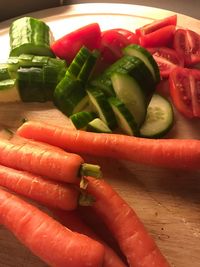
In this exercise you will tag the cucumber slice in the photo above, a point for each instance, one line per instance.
(82, 118)
(102, 106)
(130, 93)
(98, 126)
(9, 91)
(30, 36)
(4, 73)
(127, 65)
(78, 62)
(125, 120)
(159, 119)
(70, 96)
(88, 67)
(146, 57)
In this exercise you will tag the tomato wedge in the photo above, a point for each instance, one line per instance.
(187, 45)
(161, 37)
(68, 46)
(130, 36)
(167, 59)
(112, 43)
(185, 91)
(157, 24)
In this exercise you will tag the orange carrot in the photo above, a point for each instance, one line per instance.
(44, 191)
(73, 221)
(133, 239)
(54, 164)
(45, 237)
(169, 153)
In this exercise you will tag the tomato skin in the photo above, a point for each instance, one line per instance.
(187, 45)
(112, 43)
(131, 36)
(157, 24)
(161, 37)
(68, 46)
(185, 91)
(167, 59)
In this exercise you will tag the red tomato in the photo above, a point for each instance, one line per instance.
(131, 36)
(187, 45)
(157, 24)
(161, 37)
(185, 91)
(68, 46)
(167, 59)
(112, 43)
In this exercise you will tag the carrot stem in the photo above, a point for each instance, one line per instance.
(90, 170)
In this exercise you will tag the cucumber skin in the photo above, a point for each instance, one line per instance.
(81, 119)
(103, 101)
(30, 36)
(131, 121)
(68, 93)
(4, 73)
(128, 51)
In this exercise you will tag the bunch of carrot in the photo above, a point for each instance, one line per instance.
(41, 170)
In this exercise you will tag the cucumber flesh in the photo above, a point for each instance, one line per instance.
(146, 57)
(102, 107)
(82, 118)
(129, 92)
(126, 121)
(98, 126)
(159, 118)
(9, 91)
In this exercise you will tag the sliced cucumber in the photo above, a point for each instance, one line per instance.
(159, 118)
(78, 62)
(88, 67)
(130, 93)
(30, 36)
(102, 107)
(82, 118)
(98, 126)
(70, 96)
(127, 65)
(4, 72)
(146, 57)
(126, 121)
(9, 91)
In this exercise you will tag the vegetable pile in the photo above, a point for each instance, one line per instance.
(106, 81)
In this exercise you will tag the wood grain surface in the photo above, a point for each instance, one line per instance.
(167, 201)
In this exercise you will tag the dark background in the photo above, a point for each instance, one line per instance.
(12, 8)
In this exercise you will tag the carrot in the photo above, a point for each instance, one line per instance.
(167, 153)
(44, 191)
(73, 221)
(54, 164)
(131, 235)
(45, 237)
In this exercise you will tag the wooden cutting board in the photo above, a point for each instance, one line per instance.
(167, 201)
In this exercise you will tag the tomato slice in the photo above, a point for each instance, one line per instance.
(167, 59)
(185, 91)
(68, 46)
(187, 45)
(112, 43)
(161, 37)
(157, 24)
(130, 36)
